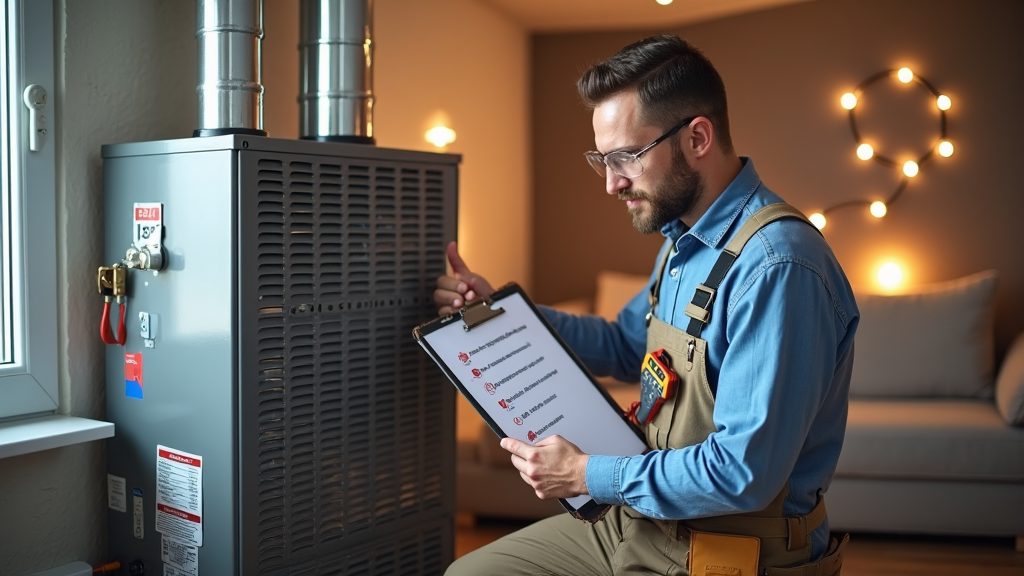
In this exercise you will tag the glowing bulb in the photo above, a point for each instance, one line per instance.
(878, 209)
(910, 168)
(664, 2)
(848, 101)
(945, 148)
(890, 275)
(818, 219)
(865, 151)
(943, 102)
(905, 75)
(440, 136)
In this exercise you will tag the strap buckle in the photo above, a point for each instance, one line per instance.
(711, 295)
(701, 313)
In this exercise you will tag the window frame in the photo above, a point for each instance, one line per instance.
(29, 383)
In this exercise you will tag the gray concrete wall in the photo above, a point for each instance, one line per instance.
(125, 72)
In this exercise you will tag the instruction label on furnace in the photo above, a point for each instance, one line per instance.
(180, 558)
(179, 495)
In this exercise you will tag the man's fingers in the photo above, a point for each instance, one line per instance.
(456, 261)
(515, 447)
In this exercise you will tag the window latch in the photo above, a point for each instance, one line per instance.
(35, 99)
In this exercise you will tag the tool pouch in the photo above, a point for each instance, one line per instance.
(723, 555)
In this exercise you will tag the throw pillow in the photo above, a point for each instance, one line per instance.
(937, 341)
(1010, 385)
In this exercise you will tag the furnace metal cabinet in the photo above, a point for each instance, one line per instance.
(278, 349)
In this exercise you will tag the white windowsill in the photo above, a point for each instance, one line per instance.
(36, 434)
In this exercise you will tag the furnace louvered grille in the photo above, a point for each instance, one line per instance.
(351, 433)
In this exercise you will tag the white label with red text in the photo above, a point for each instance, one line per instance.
(179, 495)
(147, 224)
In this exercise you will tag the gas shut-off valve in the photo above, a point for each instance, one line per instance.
(145, 253)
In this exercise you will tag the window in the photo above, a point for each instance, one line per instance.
(28, 247)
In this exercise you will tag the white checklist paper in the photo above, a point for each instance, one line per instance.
(528, 384)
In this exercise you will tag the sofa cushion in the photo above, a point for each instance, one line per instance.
(936, 342)
(938, 439)
(1010, 384)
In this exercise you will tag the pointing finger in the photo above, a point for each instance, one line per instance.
(459, 266)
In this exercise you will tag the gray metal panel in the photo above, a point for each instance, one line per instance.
(347, 435)
(189, 383)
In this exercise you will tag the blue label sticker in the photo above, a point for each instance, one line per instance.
(137, 492)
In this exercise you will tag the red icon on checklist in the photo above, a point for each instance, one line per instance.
(519, 421)
(490, 388)
(505, 404)
(464, 358)
(531, 436)
(477, 373)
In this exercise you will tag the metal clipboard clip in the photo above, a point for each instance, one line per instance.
(477, 312)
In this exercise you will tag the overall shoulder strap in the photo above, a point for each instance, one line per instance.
(652, 298)
(699, 308)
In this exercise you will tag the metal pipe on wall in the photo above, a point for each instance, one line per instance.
(229, 34)
(336, 70)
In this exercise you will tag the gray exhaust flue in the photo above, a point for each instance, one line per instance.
(229, 35)
(336, 70)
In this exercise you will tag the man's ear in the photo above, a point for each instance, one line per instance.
(700, 137)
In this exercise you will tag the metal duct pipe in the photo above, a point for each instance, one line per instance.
(229, 34)
(336, 70)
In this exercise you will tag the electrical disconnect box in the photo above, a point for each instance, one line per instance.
(273, 413)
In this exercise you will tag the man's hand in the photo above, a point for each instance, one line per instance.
(454, 291)
(553, 467)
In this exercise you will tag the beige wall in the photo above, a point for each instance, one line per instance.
(784, 70)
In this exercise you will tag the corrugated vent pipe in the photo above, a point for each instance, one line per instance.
(336, 70)
(229, 34)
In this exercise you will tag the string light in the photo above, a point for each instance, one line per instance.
(908, 168)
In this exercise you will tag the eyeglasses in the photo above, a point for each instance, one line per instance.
(627, 164)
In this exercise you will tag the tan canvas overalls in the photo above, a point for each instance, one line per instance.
(686, 420)
(626, 542)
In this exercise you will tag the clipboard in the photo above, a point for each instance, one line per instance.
(526, 383)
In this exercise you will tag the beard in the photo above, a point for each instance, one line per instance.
(673, 198)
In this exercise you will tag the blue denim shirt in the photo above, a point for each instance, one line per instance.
(780, 353)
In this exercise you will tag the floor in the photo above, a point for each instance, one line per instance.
(866, 555)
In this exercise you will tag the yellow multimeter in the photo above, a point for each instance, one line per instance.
(657, 382)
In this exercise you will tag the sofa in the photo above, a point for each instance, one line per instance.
(935, 435)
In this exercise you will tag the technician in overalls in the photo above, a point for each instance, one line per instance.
(751, 310)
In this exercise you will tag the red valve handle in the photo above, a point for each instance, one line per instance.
(105, 332)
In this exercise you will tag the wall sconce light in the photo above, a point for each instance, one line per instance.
(865, 151)
(440, 136)
(890, 275)
(664, 2)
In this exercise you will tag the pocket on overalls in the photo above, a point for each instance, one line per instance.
(660, 428)
(723, 555)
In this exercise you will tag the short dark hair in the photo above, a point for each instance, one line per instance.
(672, 78)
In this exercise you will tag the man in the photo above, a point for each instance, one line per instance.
(761, 335)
